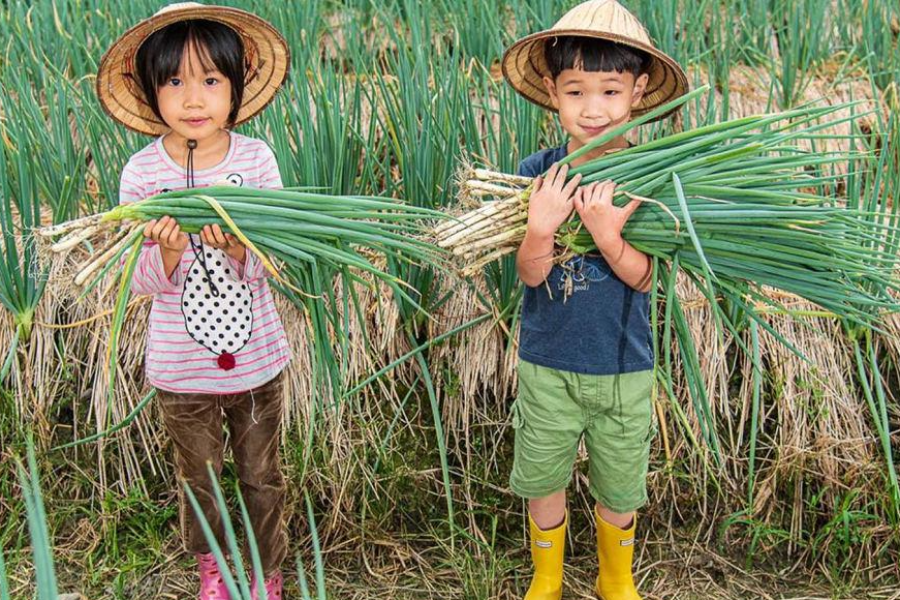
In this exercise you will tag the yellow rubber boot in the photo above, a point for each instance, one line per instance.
(615, 550)
(547, 550)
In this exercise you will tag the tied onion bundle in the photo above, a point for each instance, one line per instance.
(739, 206)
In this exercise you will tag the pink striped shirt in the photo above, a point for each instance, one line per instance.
(214, 312)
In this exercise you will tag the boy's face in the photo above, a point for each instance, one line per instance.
(591, 103)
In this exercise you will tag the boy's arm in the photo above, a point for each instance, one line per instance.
(534, 259)
(605, 222)
(549, 206)
(631, 266)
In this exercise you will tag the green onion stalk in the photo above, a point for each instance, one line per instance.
(742, 204)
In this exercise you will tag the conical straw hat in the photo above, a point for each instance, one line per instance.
(266, 57)
(524, 64)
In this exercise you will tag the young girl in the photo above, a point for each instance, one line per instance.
(216, 346)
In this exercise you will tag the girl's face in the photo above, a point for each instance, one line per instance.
(196, 101)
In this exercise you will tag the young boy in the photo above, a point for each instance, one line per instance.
(586, 352)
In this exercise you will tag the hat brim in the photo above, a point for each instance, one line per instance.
(524, 66)
(266, 55)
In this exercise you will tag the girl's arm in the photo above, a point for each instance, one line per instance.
(150, 271)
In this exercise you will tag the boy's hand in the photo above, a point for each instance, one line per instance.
(551, 201)
(167, 233)
(603, 219)
(212, 235)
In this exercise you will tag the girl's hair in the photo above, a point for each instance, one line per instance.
(590, 54)
(217, 46)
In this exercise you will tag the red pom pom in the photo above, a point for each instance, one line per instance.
(226, 361)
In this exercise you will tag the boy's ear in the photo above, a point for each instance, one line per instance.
(551, 89)
(640, 86)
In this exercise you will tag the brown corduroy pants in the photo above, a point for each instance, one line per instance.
(194, 422)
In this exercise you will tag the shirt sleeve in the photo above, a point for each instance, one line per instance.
(540, 162)
(251, 270)
(131, 185)
(269, 175)
(530, 166)
(149, 273)
(523, 170)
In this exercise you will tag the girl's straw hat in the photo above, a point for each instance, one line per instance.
(524, 64)
(266, 57)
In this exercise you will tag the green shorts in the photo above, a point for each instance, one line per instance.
(614, 414)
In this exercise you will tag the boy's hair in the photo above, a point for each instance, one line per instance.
(216, 45)
(592, 54)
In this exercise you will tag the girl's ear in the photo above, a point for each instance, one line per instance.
(550, 84)
(640, 86)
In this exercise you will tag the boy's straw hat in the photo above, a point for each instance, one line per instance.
(524, 64)
(266, 57)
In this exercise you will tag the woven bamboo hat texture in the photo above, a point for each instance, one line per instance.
(266, 57)
(524, 64)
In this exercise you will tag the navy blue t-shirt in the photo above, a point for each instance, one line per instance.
(602, 328)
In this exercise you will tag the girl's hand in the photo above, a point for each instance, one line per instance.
(167, 233)
(603, 219)
(551, 201)
(212, 235)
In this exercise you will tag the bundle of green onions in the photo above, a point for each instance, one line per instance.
(280, 226)
(738, 205)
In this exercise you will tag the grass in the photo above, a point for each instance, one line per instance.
(136, 544)
(22, 278)
(42, 545)
(139, 550)
(801, 42)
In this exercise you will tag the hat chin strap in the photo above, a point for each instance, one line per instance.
(189, 166)
(198, 246)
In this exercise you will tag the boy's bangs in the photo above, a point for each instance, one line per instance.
(593, 55)
(593, 58)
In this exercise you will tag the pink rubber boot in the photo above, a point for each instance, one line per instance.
(273, 585)
(212, 585)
